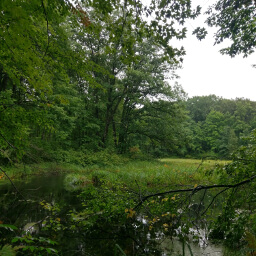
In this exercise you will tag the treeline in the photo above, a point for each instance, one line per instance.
(75, 126)
(78, 80)
(217, 126)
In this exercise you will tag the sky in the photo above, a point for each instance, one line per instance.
(205, 71)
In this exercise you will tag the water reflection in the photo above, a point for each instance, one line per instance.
(133, 237)
(199, 247)
(175, 247)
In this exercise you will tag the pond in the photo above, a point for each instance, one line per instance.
(50, 197)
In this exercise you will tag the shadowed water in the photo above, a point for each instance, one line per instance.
(14, 210)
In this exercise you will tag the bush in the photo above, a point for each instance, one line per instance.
(101, 158)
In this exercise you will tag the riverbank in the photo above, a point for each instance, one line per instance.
(174, 167)
(112, 200)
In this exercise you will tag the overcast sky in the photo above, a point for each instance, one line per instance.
(205, 71)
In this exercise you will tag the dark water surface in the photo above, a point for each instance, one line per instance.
(14, 210)
(38, 188)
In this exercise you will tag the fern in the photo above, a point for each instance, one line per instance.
(7, 250)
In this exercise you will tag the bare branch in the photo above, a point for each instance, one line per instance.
(12, 183)
(7, 141)
(195, 190)
(139, 189)
(213, 200)
(47, 28)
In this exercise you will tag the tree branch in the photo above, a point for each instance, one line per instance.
(12, 183)
(47, 28)
(7, 141)
(195, 190)
(213, 200)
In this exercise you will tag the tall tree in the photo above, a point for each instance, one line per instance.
(129, 70)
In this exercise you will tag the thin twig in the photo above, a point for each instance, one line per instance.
(213, 200)
(47, 28)
(139, 189)
(7, 141)
(12, 183)
(29, 228)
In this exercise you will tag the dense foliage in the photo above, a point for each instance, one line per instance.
(217, 126)
(235, 21)
(79, 79)
(89, 77)
(86, 82)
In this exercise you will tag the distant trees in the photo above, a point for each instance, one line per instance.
(219, 125)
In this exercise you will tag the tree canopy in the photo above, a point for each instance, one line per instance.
(76, 74)
(96, 75)
(235, 21)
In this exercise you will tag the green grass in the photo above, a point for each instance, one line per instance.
(165, 172)
(157, 175)
(150, 174)
(192, 163)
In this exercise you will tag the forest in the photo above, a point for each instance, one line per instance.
(90, 85)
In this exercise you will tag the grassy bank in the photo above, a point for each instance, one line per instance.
(112, 193)
(149, 173)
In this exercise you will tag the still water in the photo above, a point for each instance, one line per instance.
(14, 210)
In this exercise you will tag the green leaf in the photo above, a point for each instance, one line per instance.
(7, 226)
(16, 239)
